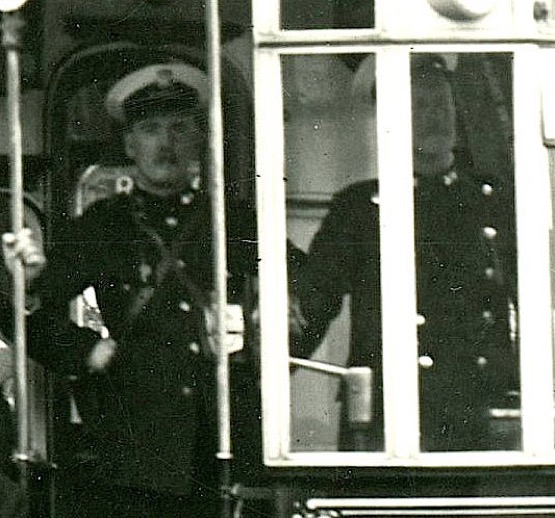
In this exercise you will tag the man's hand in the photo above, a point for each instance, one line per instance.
(297, 322)
(27, 248)
(235, 328)
(101, 355)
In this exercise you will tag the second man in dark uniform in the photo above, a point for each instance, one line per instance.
(465, 256)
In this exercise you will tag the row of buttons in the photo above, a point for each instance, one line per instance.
(427, 362)
(487, 315)
(452, 177)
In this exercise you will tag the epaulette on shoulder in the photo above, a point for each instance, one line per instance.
(98, 182)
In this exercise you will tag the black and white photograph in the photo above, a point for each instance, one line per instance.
(277, 258)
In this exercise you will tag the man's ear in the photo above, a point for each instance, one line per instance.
(129, 143)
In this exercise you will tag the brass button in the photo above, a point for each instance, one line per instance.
(489, 232)
(186, 199)
(425, 361)
(187, 391)
(171, 221)
(184, 306)
(487, 189)
(481, 361)
(450, 178)
(489, 272)
(194, 347)
(487, 315)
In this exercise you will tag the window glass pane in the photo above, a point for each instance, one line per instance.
(329, 145)
(326, 14)
(465, 252)
(465, 249)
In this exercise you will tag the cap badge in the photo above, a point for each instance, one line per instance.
(164, 78)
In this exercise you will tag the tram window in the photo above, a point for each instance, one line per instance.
(326, 14)
(465, 252)
(329, 144)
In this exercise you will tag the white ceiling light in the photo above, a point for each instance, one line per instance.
(463, 9)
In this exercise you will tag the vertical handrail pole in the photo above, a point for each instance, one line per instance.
(12, 25)
(216, 175)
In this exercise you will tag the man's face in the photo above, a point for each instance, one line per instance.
(167, 150)
(433, 124)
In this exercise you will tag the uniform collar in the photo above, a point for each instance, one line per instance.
(447, 179)
(149, 201)
(165, 211)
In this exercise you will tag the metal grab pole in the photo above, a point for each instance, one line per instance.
(216, 175)
(12, 25)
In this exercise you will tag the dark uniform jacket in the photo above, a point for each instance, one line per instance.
(150, 418)
(465, 285)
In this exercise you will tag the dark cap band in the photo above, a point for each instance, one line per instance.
(155, 100)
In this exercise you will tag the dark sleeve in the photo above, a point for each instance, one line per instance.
(53, 339)
(326, 274)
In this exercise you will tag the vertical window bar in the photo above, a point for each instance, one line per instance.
(216, 174)
(533, 222)
(397, 252)
(266, 16)
(12, 26)
(272, 250)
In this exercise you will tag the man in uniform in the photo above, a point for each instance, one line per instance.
(151, 425)
(465, 256)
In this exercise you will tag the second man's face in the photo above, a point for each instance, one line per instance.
(167, 150)
(433, 124)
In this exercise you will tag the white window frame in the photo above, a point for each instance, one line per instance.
(533, 216)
